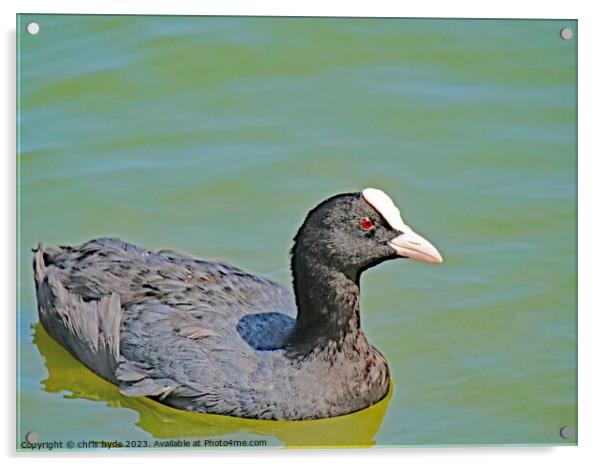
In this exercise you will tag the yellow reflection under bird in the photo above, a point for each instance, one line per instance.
(67, 374)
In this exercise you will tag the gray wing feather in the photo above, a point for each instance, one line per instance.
(124, 311)
(89, 330)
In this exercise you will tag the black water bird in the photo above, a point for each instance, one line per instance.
(208, 337)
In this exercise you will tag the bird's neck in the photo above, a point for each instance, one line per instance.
(328, 305)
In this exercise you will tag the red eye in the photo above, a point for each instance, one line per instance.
(366, 223)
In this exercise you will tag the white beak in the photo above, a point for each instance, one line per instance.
(414, 246)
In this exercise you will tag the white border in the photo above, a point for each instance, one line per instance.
(590, 232)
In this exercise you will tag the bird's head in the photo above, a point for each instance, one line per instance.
(355, 231)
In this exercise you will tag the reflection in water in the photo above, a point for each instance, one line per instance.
(66, 374)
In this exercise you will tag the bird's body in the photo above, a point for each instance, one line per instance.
(208, 337)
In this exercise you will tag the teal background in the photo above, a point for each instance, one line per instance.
(216, 135)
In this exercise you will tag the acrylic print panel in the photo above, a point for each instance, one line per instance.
(213, 138)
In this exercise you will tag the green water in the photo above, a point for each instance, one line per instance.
(216, 135)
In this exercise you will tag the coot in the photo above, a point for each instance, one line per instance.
(208, 337)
